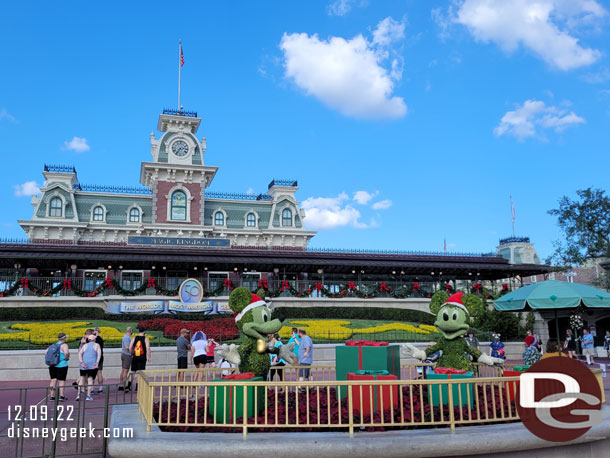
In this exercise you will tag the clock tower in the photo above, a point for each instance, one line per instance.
(177, 175)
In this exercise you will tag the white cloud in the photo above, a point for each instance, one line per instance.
(545, 27)
(77, 144)
(525, 119)
(6, 115)
(364, 197)
(331, 212)
(250, 191)
(29, 188)
(339, 7)
(351, 76)
(382, 204)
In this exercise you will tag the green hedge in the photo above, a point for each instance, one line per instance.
(355, 313)
(90, 313)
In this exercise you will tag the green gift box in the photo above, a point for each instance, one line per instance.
(435, 392)
(228, 400)
(521, 368)
(353, 358)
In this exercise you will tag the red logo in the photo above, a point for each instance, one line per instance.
(559, 399)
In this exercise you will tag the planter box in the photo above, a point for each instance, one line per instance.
(228, 400)
(511, 388)
(376, 397)
(355, 358)
(437, 391)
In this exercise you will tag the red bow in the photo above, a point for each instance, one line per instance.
(108, 283)
(227, 284)
(68, 284)
(151, 283)
(448, 287)
(263, 284)
(477, 287)
(318, 286)
(365, 343)
(504, 286)
(244, 376)
(351, 285)
(383, 286)
(24, 283)
(285, 285)
(416, 286)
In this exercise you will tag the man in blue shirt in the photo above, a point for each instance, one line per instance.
(125, 357)
(305, 354)
(588, 348)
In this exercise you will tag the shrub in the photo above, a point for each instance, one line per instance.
(438, 299)
(356, 313)
(506, 323)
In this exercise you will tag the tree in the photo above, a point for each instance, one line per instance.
(585, 223)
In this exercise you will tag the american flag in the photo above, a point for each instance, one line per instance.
(181, 57)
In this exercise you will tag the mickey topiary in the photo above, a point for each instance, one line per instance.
(253, 319)
(452, 321)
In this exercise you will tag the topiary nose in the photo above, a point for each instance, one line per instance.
(281, 317)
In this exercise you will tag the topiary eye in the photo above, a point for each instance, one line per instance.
(265, 317)
(454, 316)
(445, 316)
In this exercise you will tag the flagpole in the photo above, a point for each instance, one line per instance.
(512, 214)
(179, 69)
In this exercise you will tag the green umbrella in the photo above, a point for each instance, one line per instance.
(553, 295)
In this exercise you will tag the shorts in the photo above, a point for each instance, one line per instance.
(88, 373)
(183, 363)
(201, 359)
(304, 372)
(138, 364)
(125, 361)
(100, 365)
(59, 373)
(588, 351)
(209, 359)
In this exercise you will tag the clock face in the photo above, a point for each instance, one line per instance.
(180, 148)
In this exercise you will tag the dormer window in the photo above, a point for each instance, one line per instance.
(56, 208)
(219, 219)
(286, 217)
(134, 215)
(98, 214)
(178, 206)
(251, 220)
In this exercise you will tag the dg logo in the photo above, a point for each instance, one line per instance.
(559, 399)
(191, 291)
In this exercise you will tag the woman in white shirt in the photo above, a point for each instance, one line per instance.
(199, 343)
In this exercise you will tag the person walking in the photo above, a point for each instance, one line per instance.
(199, 343)
(569, 344)
(297, 341)
(82, 342)
(588, 348)
(531, 355)
(209, 353)
(607, 343)
(140, 354)
(183, 346)
(89, 356)
(125, 358)
(496, 347)
(276, 361)
(305, 355)
(472, 340)
(59, 371)
(100, 367)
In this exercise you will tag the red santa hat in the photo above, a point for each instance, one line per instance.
(456, 299)
(255, 302)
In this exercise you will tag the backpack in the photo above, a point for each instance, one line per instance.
(51, 357)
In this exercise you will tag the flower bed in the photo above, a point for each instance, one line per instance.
(46, 333)
(324, 328)
(219, 328)
(321, 406)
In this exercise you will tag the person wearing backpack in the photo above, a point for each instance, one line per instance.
(140, 354)
(89, 356)
(56, 358)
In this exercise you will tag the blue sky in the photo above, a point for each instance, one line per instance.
(405, 122)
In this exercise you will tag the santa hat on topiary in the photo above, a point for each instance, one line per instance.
(456, 299)
(254, 302)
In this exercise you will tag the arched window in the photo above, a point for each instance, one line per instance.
(98, 214)
(251, 220)
(134, 215)
(219, 219)
(286, 217)
(56, 207)
(178, 211)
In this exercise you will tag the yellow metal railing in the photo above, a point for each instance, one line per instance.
(199, 398)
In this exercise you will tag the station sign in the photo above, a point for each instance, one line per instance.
(177, 241)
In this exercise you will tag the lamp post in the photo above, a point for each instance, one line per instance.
(17, 267)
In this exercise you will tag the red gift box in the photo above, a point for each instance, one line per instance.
(383, 396)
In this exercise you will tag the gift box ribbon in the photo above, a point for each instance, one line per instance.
(365, 343)
(244, 376)
(448, 370)
(365, 372)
